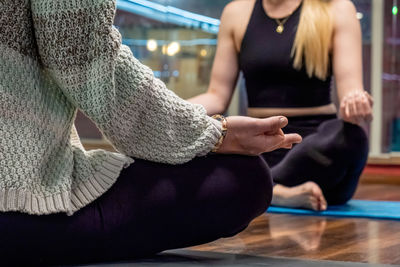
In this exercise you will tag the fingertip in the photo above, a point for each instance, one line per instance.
(283, 120)
(298, 139)
(324, 204)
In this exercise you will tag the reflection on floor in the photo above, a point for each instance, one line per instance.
(319, 238)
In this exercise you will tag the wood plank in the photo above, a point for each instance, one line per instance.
(376, 176)
(321, 238)
(385, 160)
(356, 240)
(384, 192)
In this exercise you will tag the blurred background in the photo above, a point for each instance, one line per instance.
(177, 39)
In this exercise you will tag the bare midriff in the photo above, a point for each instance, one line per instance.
(291, 112)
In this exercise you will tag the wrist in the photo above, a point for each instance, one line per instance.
(352, 93)
(224, 130)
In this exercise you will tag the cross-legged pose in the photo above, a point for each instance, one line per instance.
(162, 190)
(288, 51)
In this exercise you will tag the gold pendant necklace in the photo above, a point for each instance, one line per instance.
(280, 28)
(281, 22)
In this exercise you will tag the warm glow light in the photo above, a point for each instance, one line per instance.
(152, 45)
(203, 52)
(173, 49)
(360, 15)
(164, 49)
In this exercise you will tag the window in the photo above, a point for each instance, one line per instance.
(177, 39)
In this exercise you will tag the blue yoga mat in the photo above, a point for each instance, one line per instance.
(389, 210)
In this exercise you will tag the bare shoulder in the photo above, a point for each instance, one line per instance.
(343, 8)
(238, 9)
(344, 12)
(238, 5)
(235, 18)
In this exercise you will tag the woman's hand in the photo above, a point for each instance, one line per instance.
(356, 107)
(251, 136)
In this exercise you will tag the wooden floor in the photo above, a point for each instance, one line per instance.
(306, 237)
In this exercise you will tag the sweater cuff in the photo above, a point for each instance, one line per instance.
(216, 128)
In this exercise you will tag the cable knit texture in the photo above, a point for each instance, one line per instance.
(60, 56)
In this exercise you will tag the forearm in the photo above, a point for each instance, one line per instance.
(347, 50)
(348, 86)
(153, 123)
(211, 102)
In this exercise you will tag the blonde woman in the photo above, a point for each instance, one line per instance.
(288, 51)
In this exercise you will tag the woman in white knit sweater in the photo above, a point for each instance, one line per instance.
(162, 190)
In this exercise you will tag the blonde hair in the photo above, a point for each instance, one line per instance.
(313, 38)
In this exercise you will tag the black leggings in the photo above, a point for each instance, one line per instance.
(333, 154)
(152, 207)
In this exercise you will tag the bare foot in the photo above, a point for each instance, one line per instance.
(308, 195)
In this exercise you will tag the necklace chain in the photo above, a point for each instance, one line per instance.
(280, 28)
(281, 22)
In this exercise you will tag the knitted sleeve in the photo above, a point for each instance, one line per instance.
(81, 53)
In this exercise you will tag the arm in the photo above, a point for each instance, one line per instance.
(225, 69)
(81, 54)
(355, 103)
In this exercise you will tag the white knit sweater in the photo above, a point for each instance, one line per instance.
(60, 56)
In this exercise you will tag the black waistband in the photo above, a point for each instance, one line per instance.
(321, 117)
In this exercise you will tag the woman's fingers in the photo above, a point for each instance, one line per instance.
(356, 107)
(358, 110)
(273, 142)
(347, 109)
(354, 112)
(291, 139)
(252, 136)
(342, 110)
(274, 136)
(368, 104)
(369, 97)
(272, 124)
(366, 110)
(270, 143)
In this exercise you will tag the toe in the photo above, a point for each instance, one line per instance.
(312, 203)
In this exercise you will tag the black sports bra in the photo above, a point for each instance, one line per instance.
(265, 61)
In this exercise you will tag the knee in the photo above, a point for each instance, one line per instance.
(262, 184)
(257, 185)
(253, 195)
(341, 137)
(356, 141)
